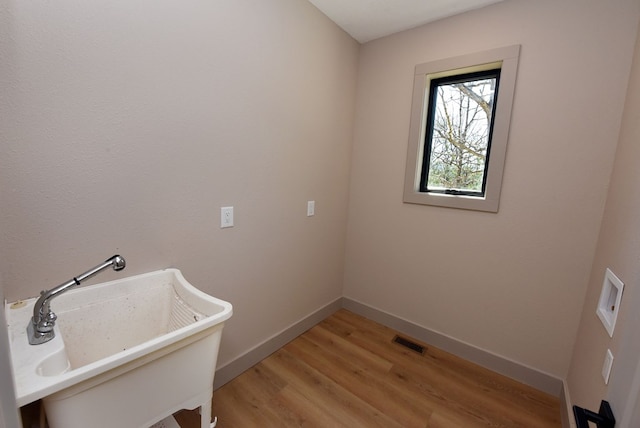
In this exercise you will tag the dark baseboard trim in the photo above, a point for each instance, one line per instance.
(504, 366)
(252, 357)
(521, 373)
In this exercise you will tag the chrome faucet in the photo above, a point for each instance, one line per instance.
(40, 329)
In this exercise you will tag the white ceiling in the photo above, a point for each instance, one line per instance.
(366, 20)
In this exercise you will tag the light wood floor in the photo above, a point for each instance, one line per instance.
(347, 372)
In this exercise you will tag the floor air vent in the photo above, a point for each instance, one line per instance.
(409, 344)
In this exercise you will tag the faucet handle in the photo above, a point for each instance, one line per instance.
(45, 327)
(47, 323)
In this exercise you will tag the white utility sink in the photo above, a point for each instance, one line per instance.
(127, 353)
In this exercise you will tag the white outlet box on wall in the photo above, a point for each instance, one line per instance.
(609, 303)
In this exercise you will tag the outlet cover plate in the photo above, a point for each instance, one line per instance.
(609, 303)
(226, 217)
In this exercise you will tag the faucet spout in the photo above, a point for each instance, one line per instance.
(40, 329)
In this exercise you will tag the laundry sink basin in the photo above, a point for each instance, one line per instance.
(127, 339)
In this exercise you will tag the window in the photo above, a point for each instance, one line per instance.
(458, 136)
(459, 129)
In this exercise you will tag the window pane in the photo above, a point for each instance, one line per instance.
(460, 133)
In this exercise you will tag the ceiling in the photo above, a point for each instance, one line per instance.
(366, 20)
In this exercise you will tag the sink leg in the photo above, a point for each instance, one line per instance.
(205, 414)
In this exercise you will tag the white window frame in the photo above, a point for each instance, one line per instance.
(507, 60)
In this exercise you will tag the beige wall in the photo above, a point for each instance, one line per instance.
(127, 125)
(511, 283)
(618, 249)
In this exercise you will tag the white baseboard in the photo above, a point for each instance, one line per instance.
(504, 366)
(566, 410)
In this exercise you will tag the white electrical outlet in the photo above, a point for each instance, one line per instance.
(606, 368)
(226, 217)
(311, 208)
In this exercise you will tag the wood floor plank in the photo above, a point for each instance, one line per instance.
(369, 387)
(308, 414)
(347, 372)
(250, 395)
(348, 350)
(331, 397)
